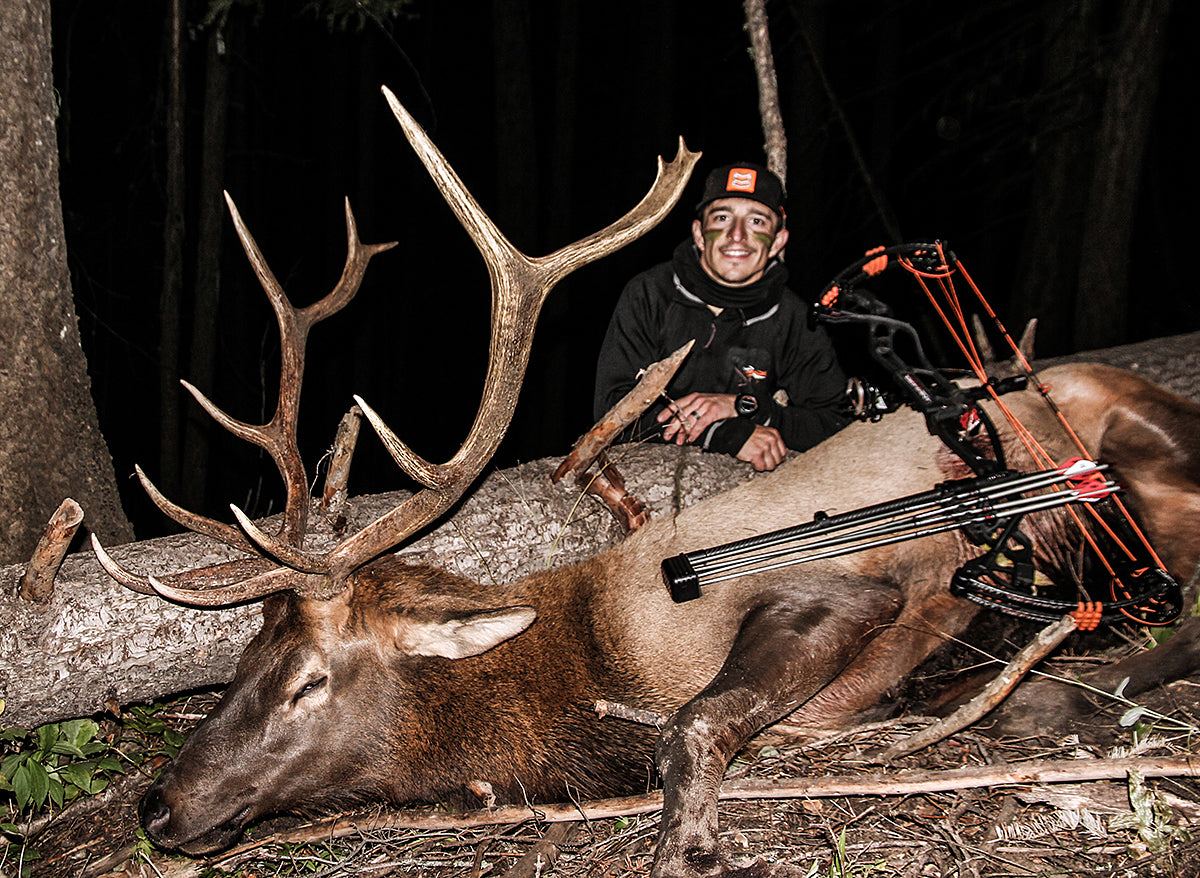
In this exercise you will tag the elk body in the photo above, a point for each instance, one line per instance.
(414, 682)
(373, 679)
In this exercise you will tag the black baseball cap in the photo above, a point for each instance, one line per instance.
(744, 180)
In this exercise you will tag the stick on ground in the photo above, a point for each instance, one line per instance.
(996, 691)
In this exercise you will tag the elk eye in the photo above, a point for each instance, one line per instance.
(309, 688)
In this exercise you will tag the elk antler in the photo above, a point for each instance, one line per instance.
(278, 436)
(519, 285)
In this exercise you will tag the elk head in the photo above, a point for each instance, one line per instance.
(318, 698)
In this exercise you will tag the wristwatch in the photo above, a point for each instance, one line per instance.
(745, 405)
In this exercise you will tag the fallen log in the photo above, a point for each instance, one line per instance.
(97, 645)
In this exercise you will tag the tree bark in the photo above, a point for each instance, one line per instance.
(100, 645)
(173, 242)
(207, 300)
(1133, 85)
(774, 136)
(50, 442)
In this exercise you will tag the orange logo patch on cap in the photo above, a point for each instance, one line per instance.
(741, 180)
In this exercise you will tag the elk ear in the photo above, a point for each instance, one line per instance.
(463, 635)
(1027, 339)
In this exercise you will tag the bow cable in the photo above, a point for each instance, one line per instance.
(983, 507)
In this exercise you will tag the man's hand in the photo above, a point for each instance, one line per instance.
(764, 450)
(687, 420)
(691, 415)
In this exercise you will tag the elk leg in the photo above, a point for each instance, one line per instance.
(886, 662)
(1052, 708)
(784, 652)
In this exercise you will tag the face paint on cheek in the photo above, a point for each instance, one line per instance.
(764, 239)
(712, 234)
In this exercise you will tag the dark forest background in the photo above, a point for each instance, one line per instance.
(553, 113)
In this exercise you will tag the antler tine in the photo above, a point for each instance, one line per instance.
(358, 255)
(519, 287)
(209, 527)
(272, 581)
(132, 581)
(293, 556)
(278, 436)
(420, 470)
(663, 195)
(221, 584)
(304, 570)
(478, 224)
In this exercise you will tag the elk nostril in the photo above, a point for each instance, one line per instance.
(153, 810)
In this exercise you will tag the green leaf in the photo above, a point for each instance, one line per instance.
(10, 764)
(47, 736)
(31, 785)
(83, 731)
(78, 773)
(66, 748)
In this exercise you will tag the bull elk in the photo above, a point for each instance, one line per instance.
(375, 679)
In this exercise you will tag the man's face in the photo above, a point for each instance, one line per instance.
(737, 238)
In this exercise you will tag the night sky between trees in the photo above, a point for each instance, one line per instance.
(949, 141)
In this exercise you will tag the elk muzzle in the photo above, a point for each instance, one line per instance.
(164, 827)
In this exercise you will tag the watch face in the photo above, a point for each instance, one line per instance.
(745, 405)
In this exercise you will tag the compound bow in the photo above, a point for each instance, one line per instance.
(990, 506)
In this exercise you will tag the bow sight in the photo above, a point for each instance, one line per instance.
(988, 508)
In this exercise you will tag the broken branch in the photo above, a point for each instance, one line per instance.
(633, 714)
(630, 407)
(996, 691)
(338, 477)
(37, 585)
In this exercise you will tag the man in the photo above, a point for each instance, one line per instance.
(759, 380)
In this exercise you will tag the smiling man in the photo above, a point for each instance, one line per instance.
(759, 379)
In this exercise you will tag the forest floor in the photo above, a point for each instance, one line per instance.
(881, 824)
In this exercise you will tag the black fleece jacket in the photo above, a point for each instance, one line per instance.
(758, 349)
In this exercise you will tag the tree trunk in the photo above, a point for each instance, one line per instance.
(1046, 284)
(99, 645)
(774, 136)
(173, 232)
(50, 442)
(211, 208)
(1133, 84)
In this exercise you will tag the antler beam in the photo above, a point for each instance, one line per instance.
(519, 285)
